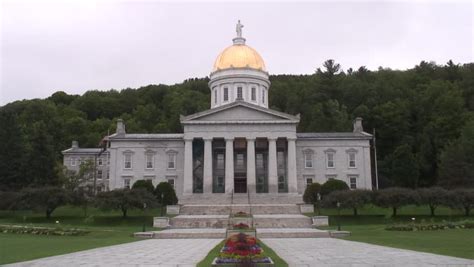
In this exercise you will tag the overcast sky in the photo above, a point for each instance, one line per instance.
(75, 46)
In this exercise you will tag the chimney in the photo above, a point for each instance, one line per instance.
(358, 125)
(75, 144)
(120, 127)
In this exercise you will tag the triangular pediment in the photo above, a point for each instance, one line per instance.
(240, 112)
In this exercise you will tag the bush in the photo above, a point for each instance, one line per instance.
(433, 197)
(431, 226)
(21, 229)
(144, 184)
(310, 195)
(332, 185)
(395, 197)
(352, 199)
(169, 195)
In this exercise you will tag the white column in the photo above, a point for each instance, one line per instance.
(292, 182)
(229, 165)
(272, 166)
(188, 167)
(207, 179)
(251, 181)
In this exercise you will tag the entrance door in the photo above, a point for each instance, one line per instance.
(240, 184)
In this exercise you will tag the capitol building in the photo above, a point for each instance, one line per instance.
(238, 146)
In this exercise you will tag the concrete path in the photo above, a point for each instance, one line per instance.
(153, 252)
(299, 252)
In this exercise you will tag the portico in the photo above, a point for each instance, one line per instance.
(237, 164)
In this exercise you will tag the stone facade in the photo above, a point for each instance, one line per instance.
(237, 146)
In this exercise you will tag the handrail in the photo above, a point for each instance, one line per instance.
(250, 207)
(230, 209)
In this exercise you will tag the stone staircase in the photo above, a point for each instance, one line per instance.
(203, 218)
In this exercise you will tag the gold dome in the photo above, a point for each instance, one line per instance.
(239, 56)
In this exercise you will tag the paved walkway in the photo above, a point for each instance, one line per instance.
(153, 252)
(299, 252)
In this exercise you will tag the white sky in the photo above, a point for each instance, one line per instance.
(75, 46)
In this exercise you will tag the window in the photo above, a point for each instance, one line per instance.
(353, 182)
(108, 174)
(99, 189)
(99, 161)
(220, 161)
(73, 161)
(127, 161)
(172, 161)
(240, 161)
(263, 96)
(215, 96)
(254, 93)
(281, 159)
(308, 159)
(226, 94)
(149, 160)
(239, 93)
(99, 174)
(126, 183)
(171, 180)
(330, 159)
(259, 161)
(308, 180)
(352, 159)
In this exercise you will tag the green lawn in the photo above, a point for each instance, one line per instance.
(107, 228)
(369, 227)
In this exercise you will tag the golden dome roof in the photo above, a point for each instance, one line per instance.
(239, 56)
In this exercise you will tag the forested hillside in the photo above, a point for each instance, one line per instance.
(423, 119)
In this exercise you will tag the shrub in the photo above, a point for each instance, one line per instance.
(310, 195)
(21, 229)
(395, 197)
(332, 185)
(433, 197)
(353, 199)
(169, 195)
(144, 184)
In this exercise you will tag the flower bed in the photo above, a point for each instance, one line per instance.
(240, 249)
(431, 226)
(19, 229)
(241, 226)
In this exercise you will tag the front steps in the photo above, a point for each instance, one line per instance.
(282, 221)
(255, 198)
(221, 209)
(191, 233)
(200, 221)
(291, 233)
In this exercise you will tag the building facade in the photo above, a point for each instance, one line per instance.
(239, 145)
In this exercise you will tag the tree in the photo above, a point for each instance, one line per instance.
(12, 152)
(144, 184)
(9, 200)
(404, 168)
(46, 198)
(333, 185)
(433, 197)
(395, 197)
(165, 194)
(124, 199)
(457, 163)
(462, 198)
(353, 199)
(311, 192)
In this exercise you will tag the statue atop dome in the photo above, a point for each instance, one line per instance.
(238, 29)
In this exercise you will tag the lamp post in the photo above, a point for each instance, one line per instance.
(338, 204)
(144, 217)
(318, 197)
(162, 203)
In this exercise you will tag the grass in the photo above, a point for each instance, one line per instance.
(369, 227)
(207, 261)
(106, 228)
